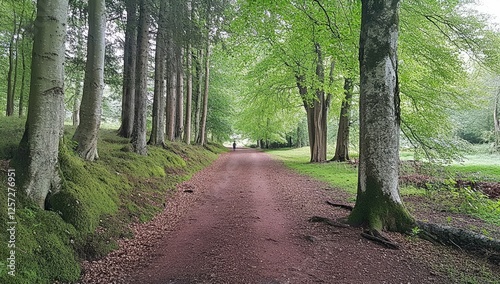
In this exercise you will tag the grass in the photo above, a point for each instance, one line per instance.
(95, 205)
(478, 166)
(338, 175)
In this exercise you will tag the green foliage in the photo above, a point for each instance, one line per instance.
(436, 82)
(21, 13)
(224, 88)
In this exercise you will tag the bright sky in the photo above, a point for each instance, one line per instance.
(491, 7)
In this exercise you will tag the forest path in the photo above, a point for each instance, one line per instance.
(246, 221)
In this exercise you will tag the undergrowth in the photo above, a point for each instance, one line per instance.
(95, 205)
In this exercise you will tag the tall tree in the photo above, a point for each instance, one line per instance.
(189, 95)
(39, 147)
(202, 136)
(129, 69)
(317, 112)
(378, 203)
(179, 118)
(10, 78)
(139, 142)
(86, 133)
(198, 94)
(171, 89)
(158, 128)
(342, 145)
(496, 119)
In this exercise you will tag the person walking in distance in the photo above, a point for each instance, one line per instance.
(234, 146)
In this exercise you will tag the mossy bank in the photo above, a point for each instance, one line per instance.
(97, 202)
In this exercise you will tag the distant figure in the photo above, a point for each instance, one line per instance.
(234, 146)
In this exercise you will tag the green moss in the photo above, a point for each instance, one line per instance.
(11, 132)
(43, 248)
(376, 210)
(87, 193)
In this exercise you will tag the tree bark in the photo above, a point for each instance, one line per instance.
(23, 80)
(9, 111)
(179, 118)
(158, 126)
(378, 204)
(202, 138)
(342, 147)
(87, 132)
(198, 93)
(16, 61)
(189, 96)
(317, 112)
(496, 120)
(139, 142)
(129, 68)
(39, 148)
(171, 90)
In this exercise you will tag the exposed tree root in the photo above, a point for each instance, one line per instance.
(317, 219)
(462, 239)
(376, 236)
(343, 206)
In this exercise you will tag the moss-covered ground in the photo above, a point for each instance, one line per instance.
(97, 202)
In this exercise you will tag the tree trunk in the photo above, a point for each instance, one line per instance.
(23, 79)
(139, 142)
(179, 118)
(39, 148)
(342, 147)
(189, 96)
(9, 111)
(203, 121)
(16, 61)
(129, 68)
(79, 76)
(378, 204)
(317, 112)
(496, 120)
(75, 115)
(158, 128)
(198, 94)
(171, 90)
(87, 132)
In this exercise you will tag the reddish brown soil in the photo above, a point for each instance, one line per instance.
(245, 220)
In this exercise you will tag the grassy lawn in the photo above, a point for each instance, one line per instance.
(339, 175)
(479, 165)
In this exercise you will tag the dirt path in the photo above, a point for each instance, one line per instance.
(246, 221)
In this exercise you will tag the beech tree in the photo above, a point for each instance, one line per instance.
(158, 126)
(179, 118)
(342, 145)
(86, 133)
(139, 142)
(378, 202)
(129, 69)
(39, 148)
(496, 120)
